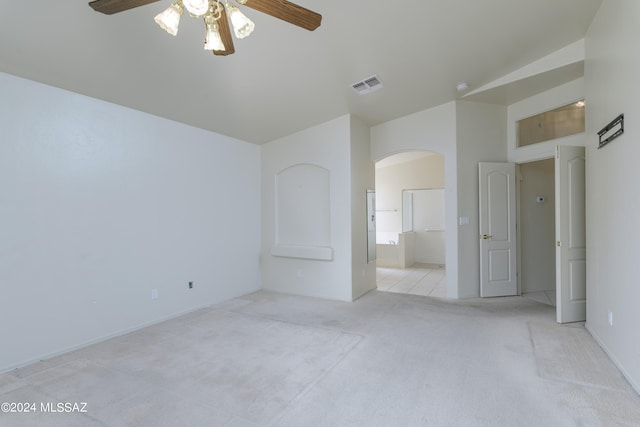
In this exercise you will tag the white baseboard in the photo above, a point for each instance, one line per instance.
(613, 358)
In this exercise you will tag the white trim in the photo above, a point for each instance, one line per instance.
(615, 361)
(322, 253)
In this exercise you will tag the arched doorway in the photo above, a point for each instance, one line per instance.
(410, 220)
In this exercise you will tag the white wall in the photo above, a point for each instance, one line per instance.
(429, 226)
(327, 146)
(431, 130)
(612, 68)
(465, 133)
(537, 270)
(481, 137)
(101, 204)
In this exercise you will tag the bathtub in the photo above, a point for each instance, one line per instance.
(395, 249)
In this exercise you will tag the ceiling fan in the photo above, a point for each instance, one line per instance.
(217, 14)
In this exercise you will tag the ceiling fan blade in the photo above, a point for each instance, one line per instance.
(109, 7)
(287, 11)
(225, 35)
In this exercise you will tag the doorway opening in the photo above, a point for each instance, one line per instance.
(536, 207)
(410, 224)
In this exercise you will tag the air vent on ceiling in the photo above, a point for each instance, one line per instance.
(367, 85)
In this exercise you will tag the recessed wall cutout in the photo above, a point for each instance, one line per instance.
(303, 213)
(557, 123)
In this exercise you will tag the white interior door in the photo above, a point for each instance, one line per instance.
(571, 286)
(497, 229)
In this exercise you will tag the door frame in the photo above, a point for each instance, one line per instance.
(540, 156)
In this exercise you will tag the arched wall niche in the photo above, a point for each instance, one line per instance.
(303, 212)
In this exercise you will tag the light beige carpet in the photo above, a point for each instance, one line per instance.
(385, 360)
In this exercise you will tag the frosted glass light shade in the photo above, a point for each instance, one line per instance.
(196, 7)
(170, 19)
(242, 26)
(212, 40)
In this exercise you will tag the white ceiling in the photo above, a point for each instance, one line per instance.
(283, 79)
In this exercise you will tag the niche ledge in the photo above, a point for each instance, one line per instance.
(321, 253)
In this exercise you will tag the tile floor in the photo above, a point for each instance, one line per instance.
(428, 280)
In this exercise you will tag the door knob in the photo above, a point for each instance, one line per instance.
(485, 237)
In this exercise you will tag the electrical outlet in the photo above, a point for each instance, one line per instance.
(154, 293)
(300, 273)
(190, 285)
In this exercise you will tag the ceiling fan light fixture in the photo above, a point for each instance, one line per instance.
(196, 8)
(212, 40)
(169, 20)
(222, 17)
(242, 26)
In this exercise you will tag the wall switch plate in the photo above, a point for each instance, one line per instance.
(610, 317)
(154, 293)
(299, 273)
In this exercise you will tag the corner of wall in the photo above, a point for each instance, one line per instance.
(612, 208)
(363, 273)
(327, 146)
(480, 137)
